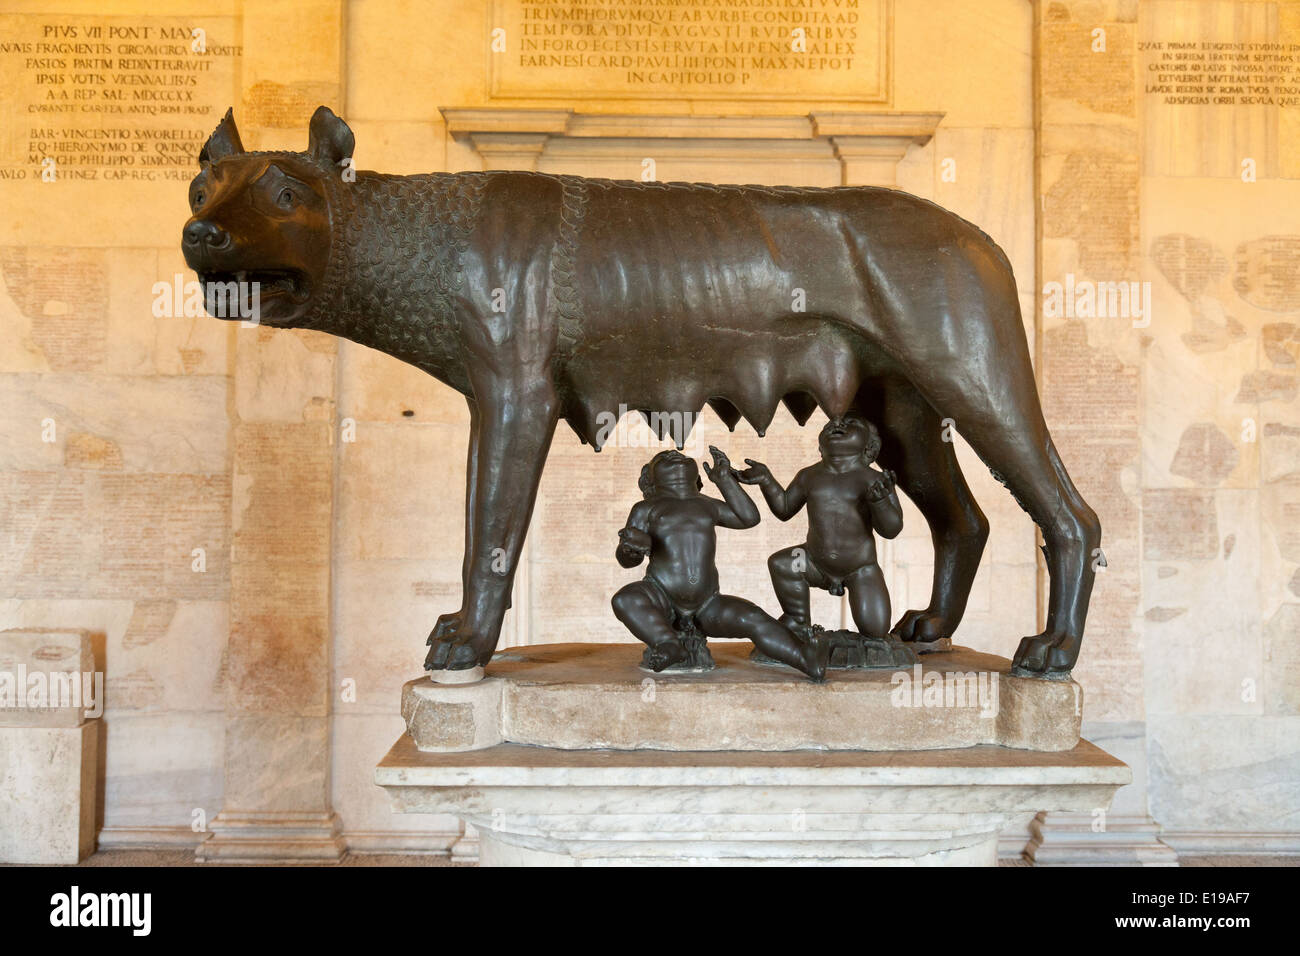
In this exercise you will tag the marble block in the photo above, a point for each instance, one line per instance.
(273, 836)
(1097, 839)
(47, 776)
(544, 806)
(596, 696)
(49, 751)
(62, 659)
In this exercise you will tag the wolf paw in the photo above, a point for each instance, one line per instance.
(922, 627)
(1050, 654)
(454, 646)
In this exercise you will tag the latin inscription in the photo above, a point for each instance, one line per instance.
(109, 97)
(771, 49)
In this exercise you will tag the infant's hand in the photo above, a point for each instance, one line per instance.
(755, 474)
(721, 465)
(880, 489)
(634, 539)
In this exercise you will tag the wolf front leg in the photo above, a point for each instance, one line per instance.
(448, 623)
(512, 428)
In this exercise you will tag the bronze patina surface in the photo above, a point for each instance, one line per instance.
(544, 298)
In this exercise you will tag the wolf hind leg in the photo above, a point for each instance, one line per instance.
(928, 472)
(1018, 449)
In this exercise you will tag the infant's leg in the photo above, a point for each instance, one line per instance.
(791, 572)
(869, 601)
(643, 610)
(727, 616)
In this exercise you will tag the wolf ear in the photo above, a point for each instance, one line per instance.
(223, 142)
(329, 141)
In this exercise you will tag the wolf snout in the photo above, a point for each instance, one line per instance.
(202, 234)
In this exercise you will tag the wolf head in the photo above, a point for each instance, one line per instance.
(265, 218)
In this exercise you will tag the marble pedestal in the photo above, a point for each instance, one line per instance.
(49, 754)
(1073, 839)
(571, 755)
(273, 836)
(47, 813)
(540, 806)
(585, 696)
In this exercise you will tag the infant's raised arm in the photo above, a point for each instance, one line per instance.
(784, 502)
(882, 500)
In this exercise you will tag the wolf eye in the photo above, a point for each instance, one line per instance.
(198, 198)
(286, 197)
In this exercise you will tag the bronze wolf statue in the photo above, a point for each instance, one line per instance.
(543, 297)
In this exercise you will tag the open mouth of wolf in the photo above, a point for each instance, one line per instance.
(291, 284)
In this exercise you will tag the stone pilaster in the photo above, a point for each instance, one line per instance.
(1088, 172)
(276, 803)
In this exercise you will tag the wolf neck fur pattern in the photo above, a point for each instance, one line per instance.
(395, 264)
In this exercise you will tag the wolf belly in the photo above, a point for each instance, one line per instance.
(749, 295)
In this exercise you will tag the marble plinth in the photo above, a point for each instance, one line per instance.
(269, 836)
(546, 806)
(1073, 839)
(49, 745)
(47, 775)
(65, 663)
(596, 696)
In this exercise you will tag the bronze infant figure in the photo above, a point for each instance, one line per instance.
(678, 603)
(544, 298)
(848, 502)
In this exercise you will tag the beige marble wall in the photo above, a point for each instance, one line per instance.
(1182, 418)
(1090, 364)
(100, 524)
(168, 482)
(269, 682)
(1221, 460)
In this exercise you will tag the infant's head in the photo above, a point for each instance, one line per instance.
(669, 467)
(849, 435)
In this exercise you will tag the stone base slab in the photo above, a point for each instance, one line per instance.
(546, 806)
(853, 651)
(1070, 839)
(596, 696)
(1232, 842)
(270, 836)
(47, 793)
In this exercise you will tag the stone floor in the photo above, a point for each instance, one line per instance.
(1240, 860)
(186, 858)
